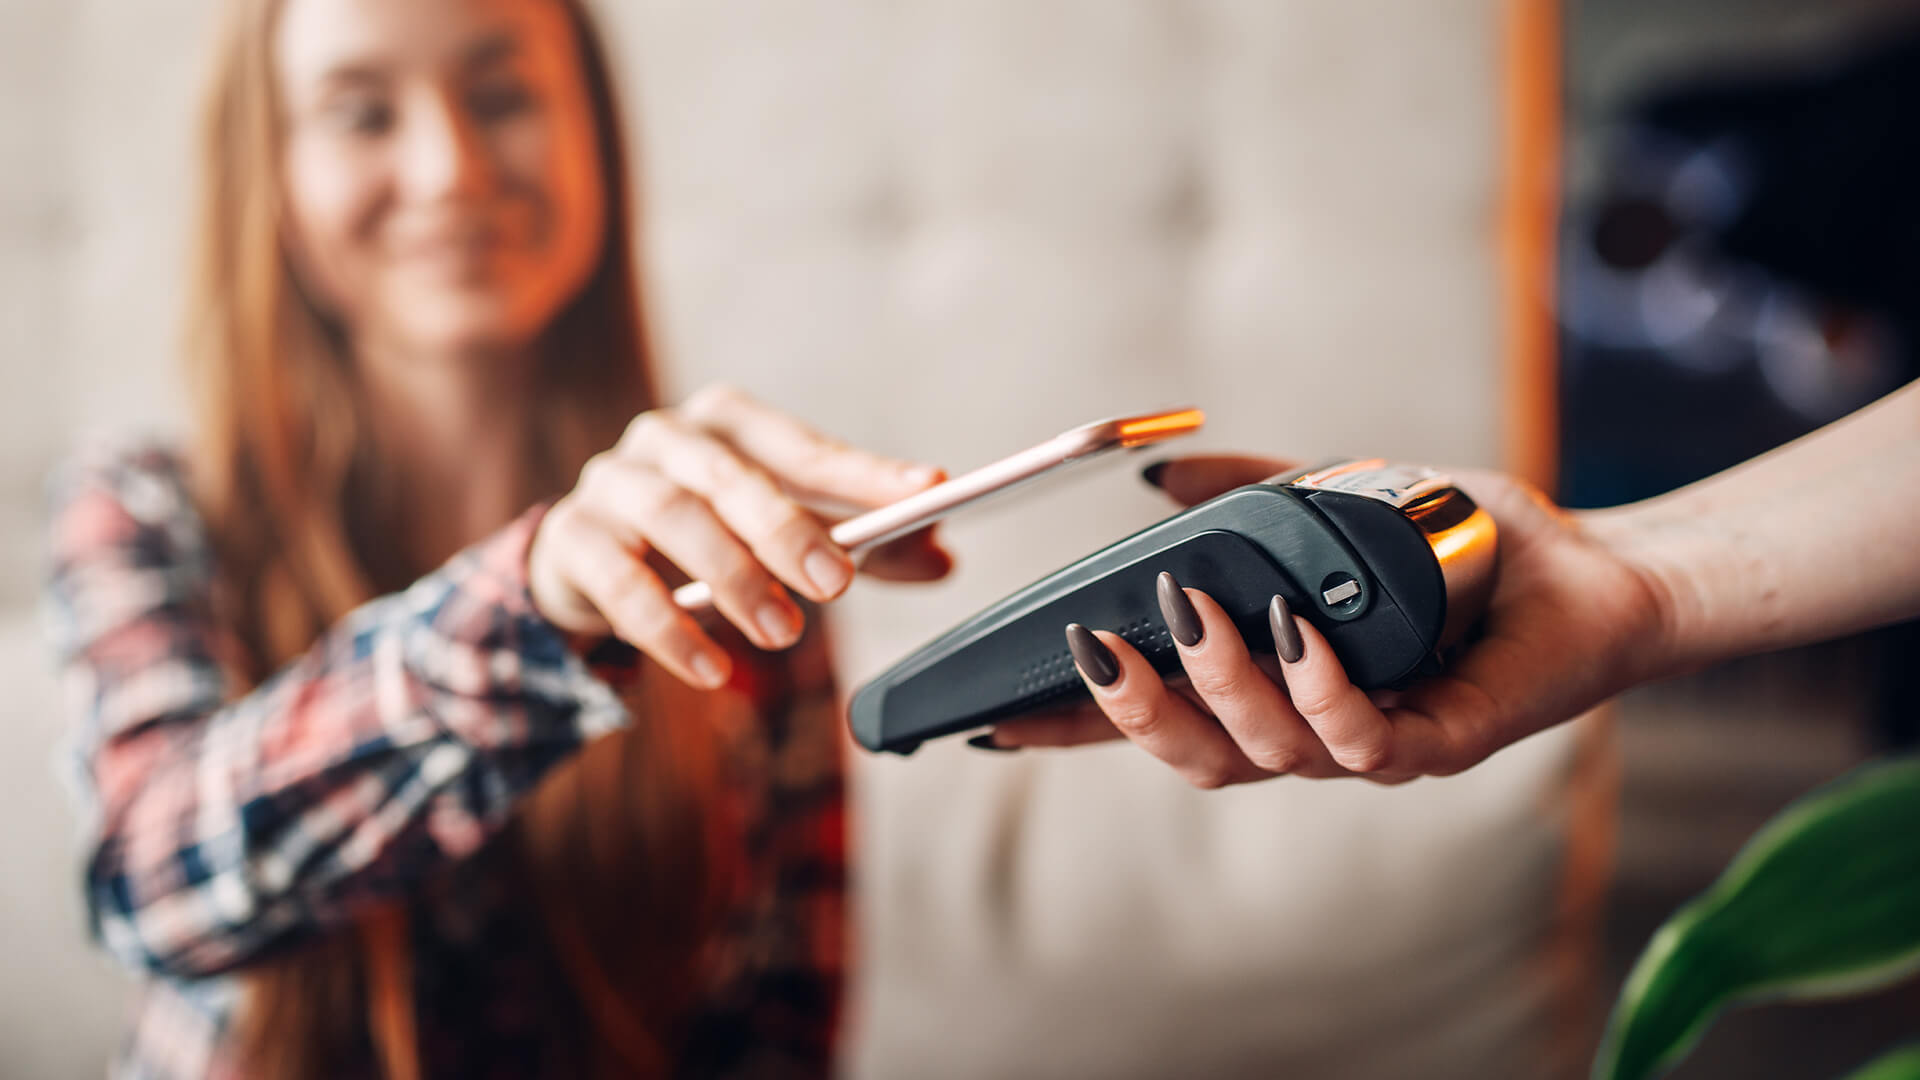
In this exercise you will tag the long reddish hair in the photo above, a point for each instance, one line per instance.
(281, 470)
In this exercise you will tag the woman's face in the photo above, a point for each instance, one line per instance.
(441, 172)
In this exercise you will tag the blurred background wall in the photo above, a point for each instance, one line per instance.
(94, 107)
(906, 222)
(941, 229)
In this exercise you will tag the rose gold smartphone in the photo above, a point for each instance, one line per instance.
(923, 509)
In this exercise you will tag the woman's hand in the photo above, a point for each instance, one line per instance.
(1570, 623)
(714, 486)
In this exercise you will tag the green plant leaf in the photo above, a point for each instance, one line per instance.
(1902, 1064)
(1823, 901)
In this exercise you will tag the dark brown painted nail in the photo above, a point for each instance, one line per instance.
(984, 741)
(1182, 621)
(1091, 656)
(1286, 635)
(1152, 473)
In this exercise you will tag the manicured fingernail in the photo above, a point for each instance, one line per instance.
(777, 623)
(922, 474)
(1092, 656)
(828, 573)
(984, 741)
(708, 669)
(1152, 473)
(1182, 621)
(1286, 635)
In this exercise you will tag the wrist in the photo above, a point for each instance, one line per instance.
(1672, 637)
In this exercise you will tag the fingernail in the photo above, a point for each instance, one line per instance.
(708, 670)
(1182, 621)
(828, 573)
(984, 741)
(1091, 656)
(1152, 473)
(1286, 634)
(922, 474)
(776, 622)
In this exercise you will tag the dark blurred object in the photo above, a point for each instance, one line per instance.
(1747, 270)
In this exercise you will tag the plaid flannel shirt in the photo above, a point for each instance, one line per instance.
(224, 827)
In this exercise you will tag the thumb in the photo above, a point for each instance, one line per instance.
(1191, 480)
(917, 556)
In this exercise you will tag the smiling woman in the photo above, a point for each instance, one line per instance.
(397, 764)
(442, 174)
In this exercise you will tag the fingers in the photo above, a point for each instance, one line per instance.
(783, 536)
(917, 556)
(1355, 733)
(585, 577)
(1072, 726)
(1233, 722)
(1190, 480)
(646, 508)
(745, 458)
(1434, 730)
(803, 458)
(1132, 695)
(1254, 710)
(711, 486)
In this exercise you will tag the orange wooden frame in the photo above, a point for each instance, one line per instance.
(1530, 146)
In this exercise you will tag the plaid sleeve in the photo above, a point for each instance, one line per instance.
(220, 828)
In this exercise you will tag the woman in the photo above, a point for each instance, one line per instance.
(376, 789)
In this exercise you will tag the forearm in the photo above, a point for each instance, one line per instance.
(338, 783)
(1817, 539)
(403, 737)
